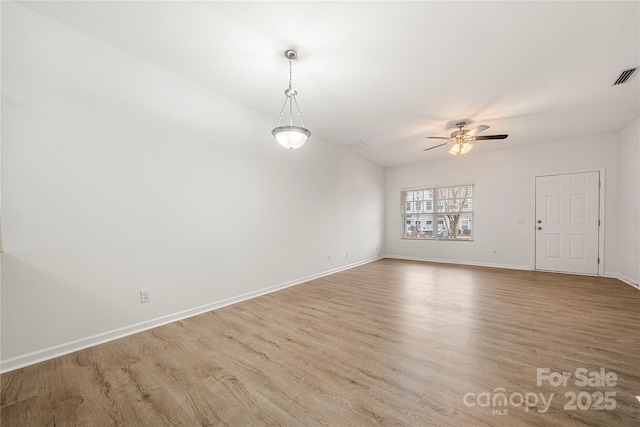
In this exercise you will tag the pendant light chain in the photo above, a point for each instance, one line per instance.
(290, 72)
(290, 88)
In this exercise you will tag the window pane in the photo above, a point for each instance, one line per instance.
(457, 226)
(452, 205)
(455, 199)
(410, 226)
(428, 200)
(418, 226)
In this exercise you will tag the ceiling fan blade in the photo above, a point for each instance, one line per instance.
(437, 137)
(477, 130)
(435, 146)
(477, 138)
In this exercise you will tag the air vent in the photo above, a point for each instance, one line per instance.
(356, 145)
(625, 76)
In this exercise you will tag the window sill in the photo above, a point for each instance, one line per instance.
(436, 240)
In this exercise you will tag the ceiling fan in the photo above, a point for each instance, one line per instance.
(460, 140)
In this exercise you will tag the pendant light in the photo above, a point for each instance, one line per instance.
(290, 136)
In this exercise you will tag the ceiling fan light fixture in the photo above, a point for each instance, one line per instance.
(460, 148)
(466, 147)
(290, 136)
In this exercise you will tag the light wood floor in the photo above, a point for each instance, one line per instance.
(388, 343)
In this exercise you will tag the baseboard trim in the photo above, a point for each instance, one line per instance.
(450, 261)
(73, 346)
(624, 279)
(620, 277)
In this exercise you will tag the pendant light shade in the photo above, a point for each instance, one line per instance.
(290, 136)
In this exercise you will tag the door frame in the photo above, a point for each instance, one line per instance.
(601, 214)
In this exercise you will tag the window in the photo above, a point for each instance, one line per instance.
(452, 218)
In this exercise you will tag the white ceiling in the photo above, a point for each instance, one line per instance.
(392, 73)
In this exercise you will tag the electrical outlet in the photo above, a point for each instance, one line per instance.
(145, 296)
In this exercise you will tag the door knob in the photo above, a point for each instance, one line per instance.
(539, 228)
(539, 221)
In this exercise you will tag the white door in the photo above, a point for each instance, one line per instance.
(567, 222)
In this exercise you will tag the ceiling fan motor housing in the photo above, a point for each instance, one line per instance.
(458, 133)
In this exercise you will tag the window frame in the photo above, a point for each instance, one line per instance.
(436, 215)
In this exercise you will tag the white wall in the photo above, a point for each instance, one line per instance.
(630, 203)
(119, 176)
(504, 191)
